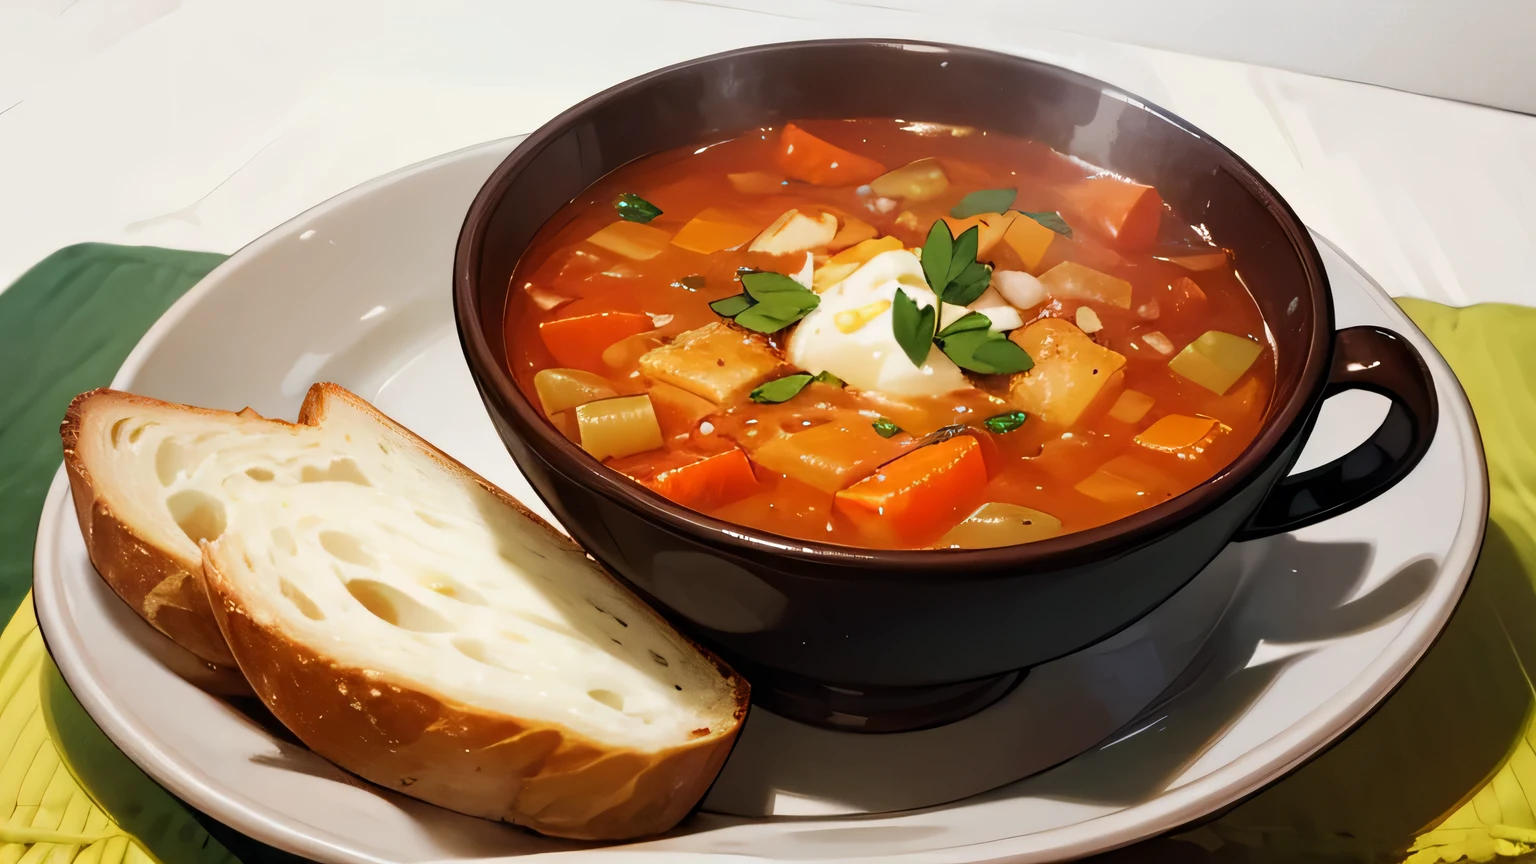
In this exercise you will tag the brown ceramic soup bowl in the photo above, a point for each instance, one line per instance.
(888, 640)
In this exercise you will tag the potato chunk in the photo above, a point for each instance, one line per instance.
(830, 456)
(1071, 371)
(796, 232)
(716, 361)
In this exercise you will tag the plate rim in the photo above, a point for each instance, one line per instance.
(1242, 777)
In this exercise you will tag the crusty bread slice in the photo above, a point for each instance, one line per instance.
(404, 618)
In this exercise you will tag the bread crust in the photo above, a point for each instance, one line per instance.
(538, 775)
(399, 735)
(163, 587)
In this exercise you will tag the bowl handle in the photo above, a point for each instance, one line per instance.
(1381, 361)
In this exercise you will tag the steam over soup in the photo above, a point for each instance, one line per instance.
(889, 334)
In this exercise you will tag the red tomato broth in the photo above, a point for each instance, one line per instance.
(1036, 465)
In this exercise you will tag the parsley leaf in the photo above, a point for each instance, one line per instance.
(633, 208)
(771, 302)
(782, 389)
(913, 327)
(730, 307)
(825, 377)
(885, 428)
(936, 255)
(968, 321)
(1051, 220)
(950, 265)
(986, 351)
(984, 201)
(1005, 422)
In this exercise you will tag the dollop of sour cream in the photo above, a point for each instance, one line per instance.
(861, 348)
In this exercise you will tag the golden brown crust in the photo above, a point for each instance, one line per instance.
(163, 587)
(538, 775)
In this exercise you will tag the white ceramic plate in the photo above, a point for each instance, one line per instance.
(1320, 626)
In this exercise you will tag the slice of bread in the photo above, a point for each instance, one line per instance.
(404, 618)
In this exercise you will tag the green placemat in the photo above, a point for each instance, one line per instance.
(1439, 773)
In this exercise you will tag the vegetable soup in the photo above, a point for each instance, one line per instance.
(889, 334)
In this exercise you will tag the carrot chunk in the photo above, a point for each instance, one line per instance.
(805, 157)
(920, 495)
(711, 482)
(579, 342)
(1175, 432)
(1129, 214)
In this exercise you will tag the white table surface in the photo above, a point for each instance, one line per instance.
(200, 124)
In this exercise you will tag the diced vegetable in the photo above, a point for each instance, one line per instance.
(756, 183)
(716, 361)
(842, 265)
(1073, 281)
(1216, 360)
(1176, 432)
(1126, 480)
(851, 320)
(1129, 214)
(1088, 320)
(1149, 311)
(622, 426)
(1158, 342)
(853, 232)
(633, 208)
(918, 494)
(1020, 289)
(1070, 373)
(560, 389)
(908, 220)
(1185, 291)
(999, 524)
(829, 456)
(545, 299)
(991, 228)
(796, 232)
(713, 230)
(625, 353)
(579, 342)
(1130, 406)
(711, 482)
(915, 181)
(632, 240)
(678, 410)
(1029, 240)
(805, 157)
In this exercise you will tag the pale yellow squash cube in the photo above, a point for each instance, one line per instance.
(632, 240)
(1071, 371)
(1073, 281)
(716, 361)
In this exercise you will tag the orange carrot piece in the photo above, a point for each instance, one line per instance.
(713, 481)
(853, 232)
(920, 495)
(1029, 240)
(1175, 432)
(1129, 214)
(990, 228)
(805, 157)
(713, 230)
(579, 342)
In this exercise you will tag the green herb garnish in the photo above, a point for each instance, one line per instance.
(732, 306)
(825, 377)
(973, 344)
(984, 201)
(633, 208)
(913, 327)
(950, 265)
(770, 302)
(885, 428)
(1005, 422)
(1051, 220)
(782, 389)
